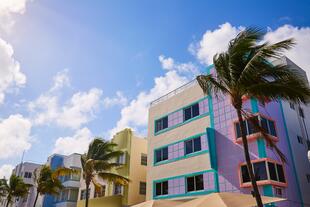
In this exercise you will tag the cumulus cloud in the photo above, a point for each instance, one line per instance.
(78, 110)
(9, 8)
(168, 63)
(77, 143)
(300, 53)
(14, 136)
(118, 100)
(11, 76)
(61, 79)
(214, 41)
(6, 171)
(135, 115)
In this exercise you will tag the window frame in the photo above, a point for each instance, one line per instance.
(162, 193)
(163, 121)
(192, 140)
(191, 112)
(143, 159)
(142, 191)
(161, 154)
(195, 183)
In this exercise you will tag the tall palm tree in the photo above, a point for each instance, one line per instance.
(100, 160)
(15, 188)
(47, 180)
(244, 70)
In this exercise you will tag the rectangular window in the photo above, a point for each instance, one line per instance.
(192, 145)
(101, 192)
(275, 172)
(27, 175)
(191, 111)
(299, 139)
(142, 188)
(162, 188)
(161, 124)
(194, 183)
(73, 196)
(143, 159)
(292, 106)
(121, 159)
(118, 189)
(83, 194)
(161, 154)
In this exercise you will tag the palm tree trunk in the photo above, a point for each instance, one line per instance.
(87, 193)
(248, 160)
(35, 201)
(8, 201)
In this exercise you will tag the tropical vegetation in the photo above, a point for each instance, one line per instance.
(244, 71)
(14, 188)
(99, 162)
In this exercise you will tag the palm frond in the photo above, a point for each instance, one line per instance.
(210, 85)
(116, 178)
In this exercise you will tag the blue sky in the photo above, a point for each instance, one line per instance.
(76, 69)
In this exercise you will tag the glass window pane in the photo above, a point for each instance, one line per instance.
(158, 155)
(281, 177)
(190, 184)
(199, 182)
(187, 113)
(165, 153)
(195, 110)
(188, 146)
(245, 174)
(264, 124)
(158, 189)
(260, 171)
(158, 125)
(197, 144)
(251, 126)
(165, 188)
(165, 122)
(238, 130)
(272, 171)
(272, 128)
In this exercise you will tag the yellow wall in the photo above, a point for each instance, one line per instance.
(111, 201)
(186, 166)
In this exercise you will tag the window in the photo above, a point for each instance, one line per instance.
(161, 188)
(292, 106)
(142, 188)
(73, 196)
(194, 183)
(143, 159)
(161, 154)
(83, 194)
(191, 112)
(161, 124)
(101, 192)
(27, 175)
(121, 159)
(278, 192)
(308, 178)
(301, 112)
(275, 172)
(118, 189)
(192, 145)
(266, 124)
(299, 139)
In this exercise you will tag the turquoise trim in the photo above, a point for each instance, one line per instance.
(267, 189)
(291, 153)
(180, 124)
(202, 192)
(182, 157)
(261, 148)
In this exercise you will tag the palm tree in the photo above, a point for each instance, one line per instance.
(47, 180)
(15, 188)
(244, 70)
(100, 161)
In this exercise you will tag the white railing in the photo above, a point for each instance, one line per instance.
(173, 93)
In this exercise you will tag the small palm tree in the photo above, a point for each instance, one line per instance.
(15, 188)
(47, 180)
(244, 70)
(100, 161)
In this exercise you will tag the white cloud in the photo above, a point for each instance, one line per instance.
(14, 136)
(77, 143)
(300, 53)
(169, 64)
(6, 171)
(8, 8)
(78, 110)
(10, 75)
(135, 115)
(119, 99)
(214, 42)
(61, 79)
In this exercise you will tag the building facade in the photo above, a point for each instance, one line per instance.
(195, 148)
(134, 163)
(69, 194)
(26, 170)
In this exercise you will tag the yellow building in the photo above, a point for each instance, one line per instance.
(134, 162)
